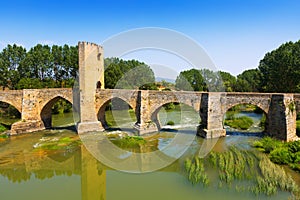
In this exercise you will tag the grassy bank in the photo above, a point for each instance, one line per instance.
(242, 170)
(242, 122)
(287, 153)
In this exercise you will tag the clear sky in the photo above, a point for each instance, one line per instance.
(235, 33)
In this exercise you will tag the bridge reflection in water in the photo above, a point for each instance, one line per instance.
(62, 173)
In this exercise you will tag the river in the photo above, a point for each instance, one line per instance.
(73, 173)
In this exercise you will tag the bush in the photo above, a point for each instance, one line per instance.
(2, 128)
(281, 156)
(262, 123)
(294, 147)
(269, 144)
(298, 128)
(170, 123)
(61, 106)
(243, 122)
(129, 142)
(169, 106)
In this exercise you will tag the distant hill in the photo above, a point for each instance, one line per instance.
(159, 79)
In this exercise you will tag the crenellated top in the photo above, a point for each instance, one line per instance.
(89, 44)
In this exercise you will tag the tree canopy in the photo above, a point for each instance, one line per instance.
(281, 69)
(128, 74)
(44, 66)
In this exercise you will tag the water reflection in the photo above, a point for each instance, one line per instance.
(27, 173)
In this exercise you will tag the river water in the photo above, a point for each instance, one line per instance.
(73, 173)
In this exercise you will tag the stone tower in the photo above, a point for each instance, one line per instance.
(91, 78)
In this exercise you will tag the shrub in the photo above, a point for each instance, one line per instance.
(169, 106)
(269, 144)
(281, 156)
(2, 128)
(294, 146)
(170, 123)
(243, 123)
(298, 127)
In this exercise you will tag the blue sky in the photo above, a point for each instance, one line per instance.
(235, 33)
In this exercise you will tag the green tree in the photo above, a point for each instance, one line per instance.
(38, 62)
(249, 81)
(281, 69)
(213, 81)
(229, 81)
(11, 58)
(130, 74)
(190, 80)
(29, 83)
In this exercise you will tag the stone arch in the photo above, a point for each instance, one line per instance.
(9, 104)
(155, 110)
(229, 106)
(46, 111)
(18, 107)
(14, 104)
(102, 107)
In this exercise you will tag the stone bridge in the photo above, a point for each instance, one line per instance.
(90, 99)
(35, 107)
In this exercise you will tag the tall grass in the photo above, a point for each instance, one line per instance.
(236, 166)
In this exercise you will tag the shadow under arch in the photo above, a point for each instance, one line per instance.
(9, 114)
(46, 113)
(180, 115)
(115, 113)
(255, 112)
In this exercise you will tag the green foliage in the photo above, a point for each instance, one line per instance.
(212, 80)
(263, 122)
(148, 86)
(195, 171)
(129, 142)
(298, 127)
(41, 67)
(128, 74)
(170, 123)
(169, 106)
(190, 80)
(249, 81)
(229, 81)
(280, 69)
(268, 144)
(281, 155)
(2, 129)
(236, 166)
(61, 106)
(11, 64)
(3, 135)
(280, 152)
(242, 122)
(58, 143)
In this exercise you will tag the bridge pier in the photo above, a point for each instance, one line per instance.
(281, 120)
(211, 114)
(31, 120)
(145, 124)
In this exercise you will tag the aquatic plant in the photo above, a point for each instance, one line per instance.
(57, 143)
(129, 141)
(242, 122)
(170, 123)
(3, 136)
(235, 165)
(267, 144)
(195, 171)
(281, 156)
(2, 128)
